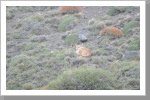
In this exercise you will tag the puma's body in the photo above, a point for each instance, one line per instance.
(82, 51)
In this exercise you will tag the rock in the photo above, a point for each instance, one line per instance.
(83, 35)
(137, 19)
(78, 61)
(39, 39)
(110, 48)
(63, 37)
(129, 54)
(42, 38)
(82, 38)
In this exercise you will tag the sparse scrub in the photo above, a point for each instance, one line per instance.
(116, 10)
(13, 85)
(30, 46)
(40, 43)
(98, 60)
(126, 71)
(83, 79)
(79, 15)
(25, 9)
(22, 62)
(10, 12)
(19, 35)
(134, 44)
(129, 26)
(65, 22)
(38, 17)
(39, 38)
(104, 41)
(27, 86)
(72, 39)
(70, 9)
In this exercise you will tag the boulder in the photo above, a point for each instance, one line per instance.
(82, 38)
(63, 37)
(129, 54)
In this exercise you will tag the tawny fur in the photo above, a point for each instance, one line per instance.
(82, 51)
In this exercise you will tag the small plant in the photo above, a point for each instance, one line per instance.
(66, 22)
(22, 62)
(129, 26)
(104, 41)
(116, 10)
(70, 9)
(112, 31)
(84, 78)
(37, 17)
(134, 44)
(72, 39)
(25, 9)
(11, 12)
(126, 72)
(19, 35)
(27, 86)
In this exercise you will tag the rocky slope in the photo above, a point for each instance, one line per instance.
(41, 47)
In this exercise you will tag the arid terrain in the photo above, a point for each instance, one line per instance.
(41, 48)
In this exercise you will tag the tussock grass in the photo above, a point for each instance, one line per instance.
(65, 22)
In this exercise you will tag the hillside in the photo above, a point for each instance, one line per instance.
(41, 48)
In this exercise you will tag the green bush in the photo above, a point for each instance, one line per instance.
(19, 35)
(127, 72)
(134, 44)
(25, 9)
(129, 26)
(116, 10)
(37, 17)
(72, 40)
(27, 86)
(11, 12)
(22, 62)
(83, 79)
(65, 22)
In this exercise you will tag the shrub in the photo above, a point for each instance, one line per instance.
(27, 86)
(22, 62)
(134, 44)
(84, 78)
(127, 73)
(11, 12)
(104, 41)
(72, 40)
(38, 17)
(116, 10)
(112, 31)
(129, 26)
(70, 9)
(25, 9)
(43, 89)
(19, 35)
(65, 22)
